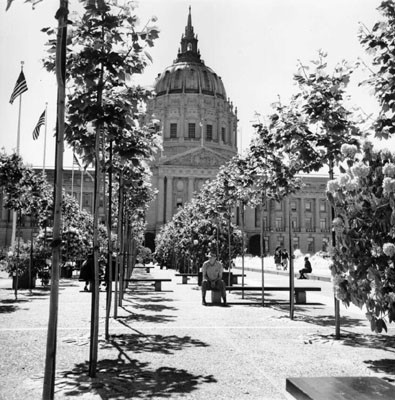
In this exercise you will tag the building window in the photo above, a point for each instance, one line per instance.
(179, 202)
(173, 131)
(191, 131)
(307, 206)
(278, 206)
(295, 243)
(223, 135)
(279, 223)
(87, 200)
(310, 245)
(323, 224)
(294, 223)
(280, 241)
(292, 205)
(257, 217)
(322, 206)
(209, 132)
(309, 224)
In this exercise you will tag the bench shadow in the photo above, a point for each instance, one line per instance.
(383, 366)
(127, 378)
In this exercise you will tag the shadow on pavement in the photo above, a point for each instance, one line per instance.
(134, 317)
(329, 320)
(131, 379)
(150, 307)
(138, 343)
(383, 366)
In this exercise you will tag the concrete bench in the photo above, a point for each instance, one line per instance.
(157, 282)
(147, 268)
(300, 292)
(185, 277)
(340, 388)
(225, 278)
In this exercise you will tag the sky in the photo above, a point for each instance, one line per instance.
(254, 45)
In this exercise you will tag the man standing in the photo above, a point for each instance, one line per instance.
(212, 277)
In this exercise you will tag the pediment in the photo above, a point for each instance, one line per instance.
(200, 157)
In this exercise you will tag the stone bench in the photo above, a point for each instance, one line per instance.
(147, 268)
(300, 292)
(340, 388)
(185, 277)
(157, 282)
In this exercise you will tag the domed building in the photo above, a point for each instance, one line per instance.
(199, 128)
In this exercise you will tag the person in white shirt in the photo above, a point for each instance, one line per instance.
(212, 277)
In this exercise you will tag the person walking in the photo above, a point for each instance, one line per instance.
(284, 259)
(277, 257)
(87, 273)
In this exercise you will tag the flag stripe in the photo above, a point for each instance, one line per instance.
(20, 87)
(41, 121)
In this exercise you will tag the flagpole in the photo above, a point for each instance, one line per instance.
(18, 142)
(82, 183)
(45, 138)
(72, 176)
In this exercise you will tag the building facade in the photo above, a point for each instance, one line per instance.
(199, 130)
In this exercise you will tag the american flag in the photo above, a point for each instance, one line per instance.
(20, 87)
(41, 121)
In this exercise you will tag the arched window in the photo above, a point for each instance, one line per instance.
(189, 47)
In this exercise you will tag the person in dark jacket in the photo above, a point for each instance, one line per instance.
(306, 270)
(88, 272)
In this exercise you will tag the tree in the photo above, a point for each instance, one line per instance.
(105, 50)
(317, 123)
(378, 42)
(364, 257)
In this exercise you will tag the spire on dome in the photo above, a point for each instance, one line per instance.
(189, 44)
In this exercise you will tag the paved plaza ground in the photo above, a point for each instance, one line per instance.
(166, 345)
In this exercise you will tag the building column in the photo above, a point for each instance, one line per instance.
(169, 198)
(161, 200)
(316, 223)
(190, 188)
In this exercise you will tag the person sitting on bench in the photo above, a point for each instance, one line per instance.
(212, 277)
(306, 270)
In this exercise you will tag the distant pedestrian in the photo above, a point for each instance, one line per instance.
(284, 259)
(87, 272)
(306, 270)
(277, 257)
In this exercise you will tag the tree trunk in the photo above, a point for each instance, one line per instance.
(117, 267)
(96, 284)
(50, 359)
(291, 266)
(336, 301)
(242, 250)
(109, 258)
(262, 244)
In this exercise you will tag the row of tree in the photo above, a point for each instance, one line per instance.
(315, 129)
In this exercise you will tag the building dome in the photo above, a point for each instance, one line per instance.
(189, 77)
(189, 74)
